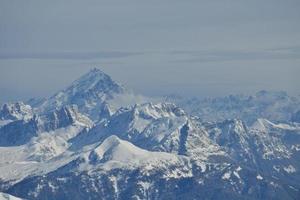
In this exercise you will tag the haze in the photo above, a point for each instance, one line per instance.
(195, 48)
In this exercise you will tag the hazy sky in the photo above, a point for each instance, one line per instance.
(192, 47)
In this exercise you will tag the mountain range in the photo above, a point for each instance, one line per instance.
(97, 139)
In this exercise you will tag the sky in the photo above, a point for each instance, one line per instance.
(195, 47)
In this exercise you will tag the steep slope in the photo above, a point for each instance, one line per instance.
(27, 146)
(22, 131)
(116, 169)
(159, 127)
(64, 117)
(4, 196)
(233, 137)
(278, 150)
(10, 112)
(95, 94)
(15, 111)
(113, 155)
(270, 149)
(116, 153)
(18, 132)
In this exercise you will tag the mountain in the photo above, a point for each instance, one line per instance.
(22, 131)
(97, 140)
(118, 169)
(14, 111)
(155, 127)
(95, 94)
(274, 106)
(18, 132)
(271, 149)
(64, 117)
(233, 136)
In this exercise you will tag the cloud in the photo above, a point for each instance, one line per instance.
(282, 53)
(67, 55)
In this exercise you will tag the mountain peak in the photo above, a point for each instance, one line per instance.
(113, 148)
(95, 81)
(151, 110)
(64, 117)
(89, 92)
(95, 69)
(15, 111)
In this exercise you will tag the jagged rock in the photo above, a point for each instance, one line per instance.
(15, 111)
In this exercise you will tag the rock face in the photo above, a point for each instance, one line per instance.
(64, 117)
(15, 111)
(18, 132)
(95, 140)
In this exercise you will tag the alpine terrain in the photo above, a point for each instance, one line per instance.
(98, 140)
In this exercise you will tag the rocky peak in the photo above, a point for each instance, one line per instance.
(15, 111)
(65, 116)
(159, 110)
(90, 92)
(95, 81)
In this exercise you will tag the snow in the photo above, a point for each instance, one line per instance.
(289, 169)
(18, 162)
(134, 134)
(145, 186)
(274, 106)
(236, 174)
(5, 122)
(296, 147)
(259, 125)
(226, 176)
(259, 177)
(93, 92)
(202, 166)
(4, 196)
(120, 151)
(264, 125)
(114, 181)
(16, 111)
(49, 151)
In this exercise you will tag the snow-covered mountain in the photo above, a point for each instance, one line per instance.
(274, 106)
(97, 140)
(95, 94)
(14, 111)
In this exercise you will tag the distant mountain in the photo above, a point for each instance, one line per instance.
(97, 140)
(274, 106)
(95, 94)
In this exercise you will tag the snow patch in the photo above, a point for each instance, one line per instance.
(226, 176)
(259, 177)
(289, 169)
(4, 196)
